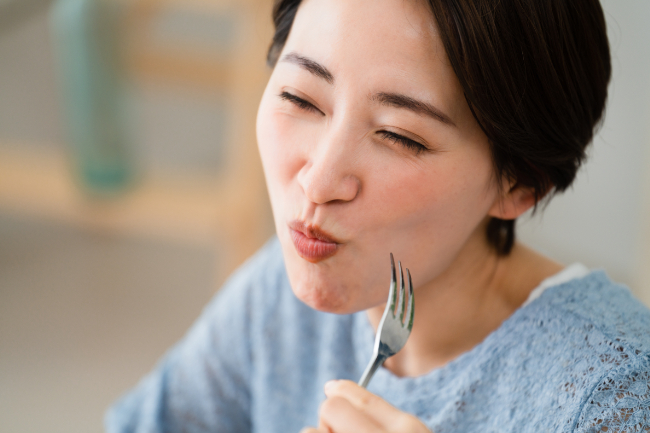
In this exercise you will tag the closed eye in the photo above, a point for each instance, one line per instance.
(299, 102)
(404, 141)
(387, 135)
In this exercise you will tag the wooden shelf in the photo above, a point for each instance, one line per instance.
(180, 208)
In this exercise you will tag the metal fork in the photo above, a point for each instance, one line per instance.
(393, 330)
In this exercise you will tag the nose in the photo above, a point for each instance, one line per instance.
(329, 174)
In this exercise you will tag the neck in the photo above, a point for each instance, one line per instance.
(460, 308)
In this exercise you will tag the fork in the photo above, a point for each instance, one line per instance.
(393, 329)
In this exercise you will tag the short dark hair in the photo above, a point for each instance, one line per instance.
(535, 75)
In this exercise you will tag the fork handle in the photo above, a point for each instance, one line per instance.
(370, 370)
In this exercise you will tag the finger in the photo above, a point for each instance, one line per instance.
(368, 403)
(338, 415)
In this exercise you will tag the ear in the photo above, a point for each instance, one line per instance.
(514, 201)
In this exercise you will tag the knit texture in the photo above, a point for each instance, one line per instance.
(577, 359)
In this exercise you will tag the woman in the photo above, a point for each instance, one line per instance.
(421, 128)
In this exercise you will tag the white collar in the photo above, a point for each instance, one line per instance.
(576, 270)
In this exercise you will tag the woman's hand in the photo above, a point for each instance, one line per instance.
(350, 408)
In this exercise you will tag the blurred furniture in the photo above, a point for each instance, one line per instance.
(229, 207)
(215, 46)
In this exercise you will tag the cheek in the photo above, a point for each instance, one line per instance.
(457, 200)
(432, 213)
(279, 147)
(445, 190)
(432, 216)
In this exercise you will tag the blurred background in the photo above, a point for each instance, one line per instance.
(130, 186)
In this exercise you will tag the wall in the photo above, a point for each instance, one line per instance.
(603, 220)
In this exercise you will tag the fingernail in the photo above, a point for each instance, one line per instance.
(330, 385)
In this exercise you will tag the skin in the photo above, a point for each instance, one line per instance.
(336, 156)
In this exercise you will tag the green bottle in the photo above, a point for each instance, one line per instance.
(86, 38)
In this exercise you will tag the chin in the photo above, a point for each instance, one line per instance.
(324, 297)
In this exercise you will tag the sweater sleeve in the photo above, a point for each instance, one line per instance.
(620, 403)
(203, 383)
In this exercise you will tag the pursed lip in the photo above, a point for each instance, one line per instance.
(313, 232)
(312, 243)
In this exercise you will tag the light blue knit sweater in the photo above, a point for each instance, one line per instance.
(577, 359)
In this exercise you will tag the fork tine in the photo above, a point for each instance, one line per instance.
(393, 284)
(400, 305)
(411, 305)
(390, 337)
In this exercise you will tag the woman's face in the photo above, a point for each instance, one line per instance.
(369, 147)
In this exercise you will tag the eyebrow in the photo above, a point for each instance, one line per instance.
(389, 99)
(309, 65)
(419, 107)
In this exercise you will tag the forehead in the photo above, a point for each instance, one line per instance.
(410, 19)
(376, 41)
